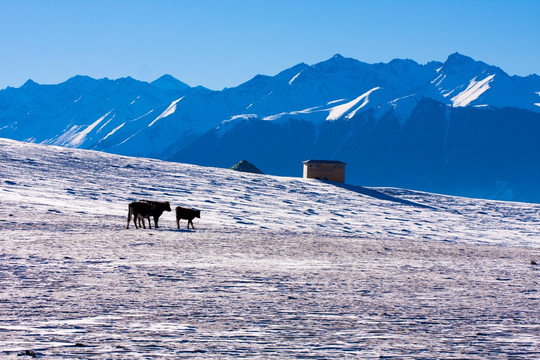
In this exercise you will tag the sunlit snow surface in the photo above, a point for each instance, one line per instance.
(276, 268)
(340, 110)
(472, 92)
(169, 111)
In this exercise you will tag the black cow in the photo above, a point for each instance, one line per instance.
(158, 209)
(139, 210)
(188, 214)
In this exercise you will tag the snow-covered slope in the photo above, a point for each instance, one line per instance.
(277, 267)
(62, 183)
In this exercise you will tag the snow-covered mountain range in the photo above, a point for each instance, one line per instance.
(460, 127)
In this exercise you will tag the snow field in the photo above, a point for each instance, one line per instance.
(81, 184)
(276, 268)
(246, 294)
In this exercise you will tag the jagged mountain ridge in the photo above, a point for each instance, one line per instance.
(167, 119)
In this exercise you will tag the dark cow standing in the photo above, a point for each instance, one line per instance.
(139, 210)
(188, 214)
(158, 208)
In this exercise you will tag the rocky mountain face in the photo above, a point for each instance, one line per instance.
(459, 127)
(488, 153)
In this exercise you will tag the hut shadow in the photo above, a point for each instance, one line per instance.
(379, 195)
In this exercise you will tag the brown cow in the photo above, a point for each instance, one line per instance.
(188, 214)
(158, 209)
(139, 210)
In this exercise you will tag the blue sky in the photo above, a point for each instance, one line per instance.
(219, 43)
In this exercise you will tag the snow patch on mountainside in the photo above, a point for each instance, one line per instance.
(313, 114)
(340, 110)
(77, 134)
(439, 79)
(114, 130)
(334, 110)
(472, 92)
(229, 124)
(105, 125)
(401, 108)
(169, 111)
(295, 77)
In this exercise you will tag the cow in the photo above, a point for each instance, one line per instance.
(139, 210)
(188, 214)
(158, 209)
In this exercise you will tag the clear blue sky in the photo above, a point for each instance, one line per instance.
(223, 43)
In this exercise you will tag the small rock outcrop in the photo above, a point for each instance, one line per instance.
(246, 166)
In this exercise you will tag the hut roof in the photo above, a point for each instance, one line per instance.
(332, 162)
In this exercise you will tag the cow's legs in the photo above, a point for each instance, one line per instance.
(129, 218)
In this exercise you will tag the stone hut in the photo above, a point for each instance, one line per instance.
(329, 170)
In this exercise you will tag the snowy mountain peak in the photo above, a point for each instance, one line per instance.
(78, 79)
(168, 82)
(127, 80)
(458, 64)
(405, 65)
(30, 84)
(288, 74)
(457, 58)
(339, 63)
